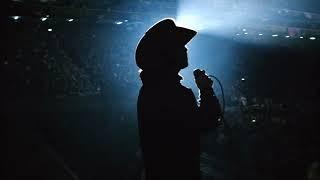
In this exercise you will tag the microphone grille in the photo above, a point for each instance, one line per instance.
(197, 73)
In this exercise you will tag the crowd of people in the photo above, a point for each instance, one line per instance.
(43, 63)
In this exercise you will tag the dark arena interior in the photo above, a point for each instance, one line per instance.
(70, 83)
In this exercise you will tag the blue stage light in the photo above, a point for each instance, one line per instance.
(118, 22)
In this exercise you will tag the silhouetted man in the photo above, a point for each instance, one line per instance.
(170, 121)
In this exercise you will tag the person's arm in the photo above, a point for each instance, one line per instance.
(209, 109)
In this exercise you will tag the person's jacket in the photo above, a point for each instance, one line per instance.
(170, 122)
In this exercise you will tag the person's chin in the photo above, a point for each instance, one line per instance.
(184, 65)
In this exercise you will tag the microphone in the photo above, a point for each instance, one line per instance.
(202, 79)
(198, 73)
(201, 73)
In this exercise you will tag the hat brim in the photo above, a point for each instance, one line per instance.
(184, 35)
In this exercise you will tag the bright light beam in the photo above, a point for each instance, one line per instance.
(15, 17)
(211, 17)
(43, 19)
(197, 15)
(224, 18)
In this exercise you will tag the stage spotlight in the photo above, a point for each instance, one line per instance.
(16, 17)
(43, 18)
(260, 34)
(244, 30)
(253, 120)
(245, 33)
(275, 35)
(70, 20)
(312, 38)
(287, 36)
(118, 22)
(49, 29)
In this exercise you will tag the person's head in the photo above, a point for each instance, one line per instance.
(163, 47)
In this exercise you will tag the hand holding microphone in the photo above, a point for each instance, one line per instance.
(202, 80)
(204, 83)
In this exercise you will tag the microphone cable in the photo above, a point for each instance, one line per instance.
(222, 94)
